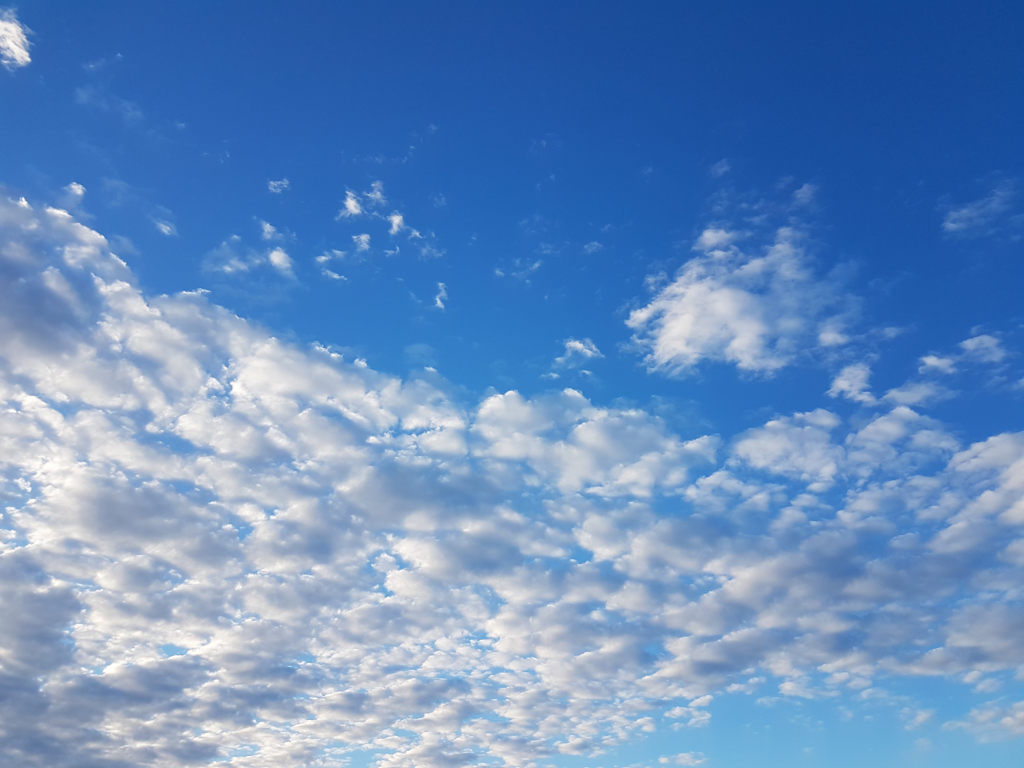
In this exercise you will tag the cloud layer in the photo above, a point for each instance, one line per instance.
(219, 545)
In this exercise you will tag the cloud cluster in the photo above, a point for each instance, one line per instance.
(217, 545)
(757, 308)
(370, 204)
(232, 258)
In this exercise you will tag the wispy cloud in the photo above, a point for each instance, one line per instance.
(277, 187)
(368, 205)
(441, 297)
(14, 42)
(578, 352)
(350, 207)
(98, 98)
(982, 215)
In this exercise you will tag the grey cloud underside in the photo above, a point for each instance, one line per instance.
(219, 545)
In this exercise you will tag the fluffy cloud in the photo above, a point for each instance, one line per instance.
(757, 310)
(852, 383)
(217, 545)
(13, 41)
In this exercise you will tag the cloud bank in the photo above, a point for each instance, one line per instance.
(217, 545)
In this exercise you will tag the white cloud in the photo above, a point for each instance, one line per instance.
(984, 348)
(232, 258)
(918, 393)
(216, 543)
(362, 242)
(759, 312)
(938, 364)
(799, 446)
(852, 383)
(165, 227)
(441, 297)
(684, 758)
(915, 718)
(577, 352)
(351, 206)
(280, 261)
(14, 42)
(980, 216)
(994, 721)
(592, 247)
(268, 231)
(805, 194)
(720, 168)
(397, 223)
(277, 187)
(376, 194)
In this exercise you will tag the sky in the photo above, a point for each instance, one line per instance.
(571, 385)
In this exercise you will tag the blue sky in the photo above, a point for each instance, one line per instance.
(577, 384)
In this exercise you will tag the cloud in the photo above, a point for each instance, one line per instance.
(592, 247)
(719, 169)
(217, 545)
(852, 383)
(231, 257)
(441, 297)
(362, 242)
(759, 312)
(930, 363)
(351, 206)
(268, 231)
(805, 194)
(684, 758)
(277, 187)
(165, 227)
(376, 193)
(993, 722)
(14, 42)
(918, 393)
(280, 261)
(980, 350)
(984, 349)
(980, 216)
(577, 353)
(357, 205)
(915, 718)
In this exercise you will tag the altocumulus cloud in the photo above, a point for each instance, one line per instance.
(759, 306)
(216, 545)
